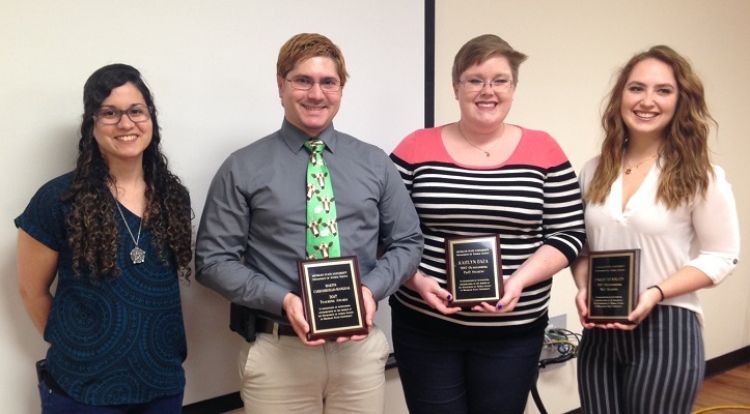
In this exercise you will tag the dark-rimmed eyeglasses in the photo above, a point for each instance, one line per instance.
(109, 115)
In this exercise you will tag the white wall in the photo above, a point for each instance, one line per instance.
(211, 67)
(574, 49)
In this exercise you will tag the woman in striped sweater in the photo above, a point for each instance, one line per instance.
(482, 176)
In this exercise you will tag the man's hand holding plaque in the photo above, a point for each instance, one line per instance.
(332, 298)
(474, 270)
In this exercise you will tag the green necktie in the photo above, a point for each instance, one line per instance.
(322, 239)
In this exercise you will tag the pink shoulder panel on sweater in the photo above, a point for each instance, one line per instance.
(535, 148)
(538, 148)
(423, 145)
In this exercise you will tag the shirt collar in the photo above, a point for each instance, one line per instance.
(295, 138)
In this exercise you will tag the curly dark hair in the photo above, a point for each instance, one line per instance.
(92, 231)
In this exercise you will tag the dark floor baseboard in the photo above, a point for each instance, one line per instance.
(728, 361)
(232, 401)
(216, 405)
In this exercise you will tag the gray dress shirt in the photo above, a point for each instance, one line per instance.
(252, 232)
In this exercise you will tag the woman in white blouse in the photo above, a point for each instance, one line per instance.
(653, 188)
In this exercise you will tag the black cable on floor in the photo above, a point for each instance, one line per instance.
(536, 397)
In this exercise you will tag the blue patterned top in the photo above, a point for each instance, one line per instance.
(116, 340)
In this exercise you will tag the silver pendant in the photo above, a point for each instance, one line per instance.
(137, 255)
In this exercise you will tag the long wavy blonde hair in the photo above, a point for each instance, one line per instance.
(684, 161)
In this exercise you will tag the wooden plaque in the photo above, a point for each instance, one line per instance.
(613, 285)
(332, 297)
(474, 270)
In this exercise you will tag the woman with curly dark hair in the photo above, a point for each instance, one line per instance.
(116, 234)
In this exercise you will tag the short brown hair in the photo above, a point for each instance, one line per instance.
(307, 45)
(482, 48)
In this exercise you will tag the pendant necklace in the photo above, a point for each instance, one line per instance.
(486, 152)
(137, 255)
(635, 166)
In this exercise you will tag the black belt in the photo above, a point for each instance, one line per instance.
(266, 326)
(44, 377)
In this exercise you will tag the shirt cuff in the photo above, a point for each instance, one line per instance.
(716, 266)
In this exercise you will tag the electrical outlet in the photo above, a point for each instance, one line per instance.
(559, 321)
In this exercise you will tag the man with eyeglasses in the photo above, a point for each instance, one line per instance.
(256, 228)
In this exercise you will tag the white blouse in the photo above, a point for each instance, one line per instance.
(703, 233)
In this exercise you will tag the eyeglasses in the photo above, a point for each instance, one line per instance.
(303, 83)
(109, 115)
(476, 85)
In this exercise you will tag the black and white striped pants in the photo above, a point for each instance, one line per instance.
(655, 369)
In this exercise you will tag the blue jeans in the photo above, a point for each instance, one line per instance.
(54, 402)
(441, 374)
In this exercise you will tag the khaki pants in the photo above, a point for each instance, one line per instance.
(281, 375)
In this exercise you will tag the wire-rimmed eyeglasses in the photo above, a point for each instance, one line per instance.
(303, 83)
(476, 85)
